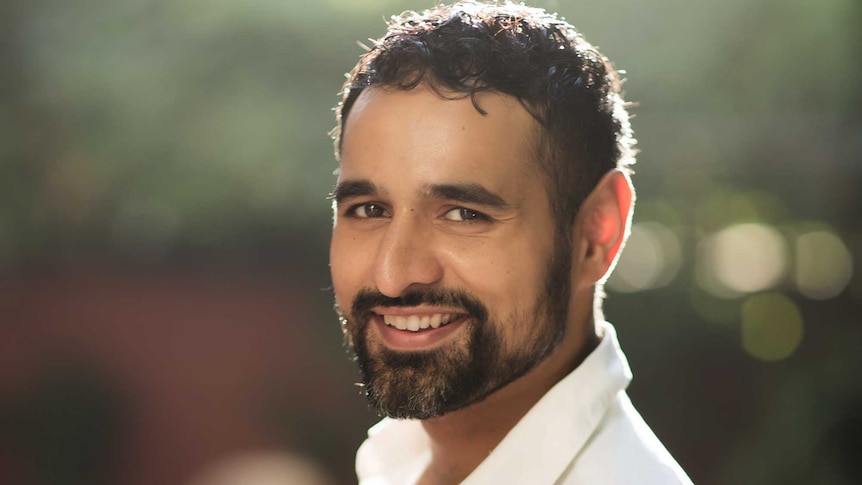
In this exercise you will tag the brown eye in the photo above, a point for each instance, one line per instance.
(370, 210)
(463, 214)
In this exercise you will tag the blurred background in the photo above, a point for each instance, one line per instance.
(165, 310)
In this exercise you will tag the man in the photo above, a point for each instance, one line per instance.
(482, 200)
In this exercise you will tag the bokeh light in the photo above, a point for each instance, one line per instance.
(164, 168)
(823, 265)
(651, 259)
(262, 468)
(714, 309)
(740, 259)
(771, 326)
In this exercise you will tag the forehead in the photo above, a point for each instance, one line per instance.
(422, 134)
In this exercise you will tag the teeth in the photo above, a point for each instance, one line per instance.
(414, 323)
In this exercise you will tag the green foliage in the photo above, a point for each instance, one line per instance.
(209, 120)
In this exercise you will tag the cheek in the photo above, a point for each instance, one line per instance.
(346, 267)
(506, 277)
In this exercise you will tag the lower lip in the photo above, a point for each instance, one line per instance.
(420, 340)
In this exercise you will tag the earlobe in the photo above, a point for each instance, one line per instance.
(606, 221)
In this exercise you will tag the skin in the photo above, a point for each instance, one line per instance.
(399, 236)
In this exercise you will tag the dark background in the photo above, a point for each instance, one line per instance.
(164, 289)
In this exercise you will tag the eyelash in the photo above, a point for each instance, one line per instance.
(476, 215)
(351, 211)
(473, 216)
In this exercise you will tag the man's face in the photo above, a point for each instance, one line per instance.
(443, 257)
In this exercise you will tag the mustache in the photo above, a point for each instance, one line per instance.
(368, 298)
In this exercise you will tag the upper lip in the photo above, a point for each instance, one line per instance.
(407, 311)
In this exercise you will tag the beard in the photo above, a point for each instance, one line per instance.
(461, 371)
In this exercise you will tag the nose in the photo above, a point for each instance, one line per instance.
(405, 257)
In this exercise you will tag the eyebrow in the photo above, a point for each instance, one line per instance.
(353, 188)
(467, 193)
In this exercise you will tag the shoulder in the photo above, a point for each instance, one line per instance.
(395, 452)
(624, 450)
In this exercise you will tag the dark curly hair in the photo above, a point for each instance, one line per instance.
(572, 91)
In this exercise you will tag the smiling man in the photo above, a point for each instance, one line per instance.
(482, 199)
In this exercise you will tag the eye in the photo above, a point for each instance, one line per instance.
(463, 214)
(369, 210)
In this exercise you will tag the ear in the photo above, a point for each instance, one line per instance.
(603, 226)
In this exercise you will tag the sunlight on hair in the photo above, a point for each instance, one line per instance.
(823, 265)
(651, 259)
(740, 259)
(771, 326)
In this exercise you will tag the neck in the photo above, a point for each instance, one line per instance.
(462, 439)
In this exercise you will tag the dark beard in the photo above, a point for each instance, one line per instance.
(427, 384)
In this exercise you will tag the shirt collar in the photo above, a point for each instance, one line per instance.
(557, 427)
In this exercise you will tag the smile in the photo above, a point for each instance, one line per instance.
(415, 323)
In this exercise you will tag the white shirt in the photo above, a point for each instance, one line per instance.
(584, 431)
